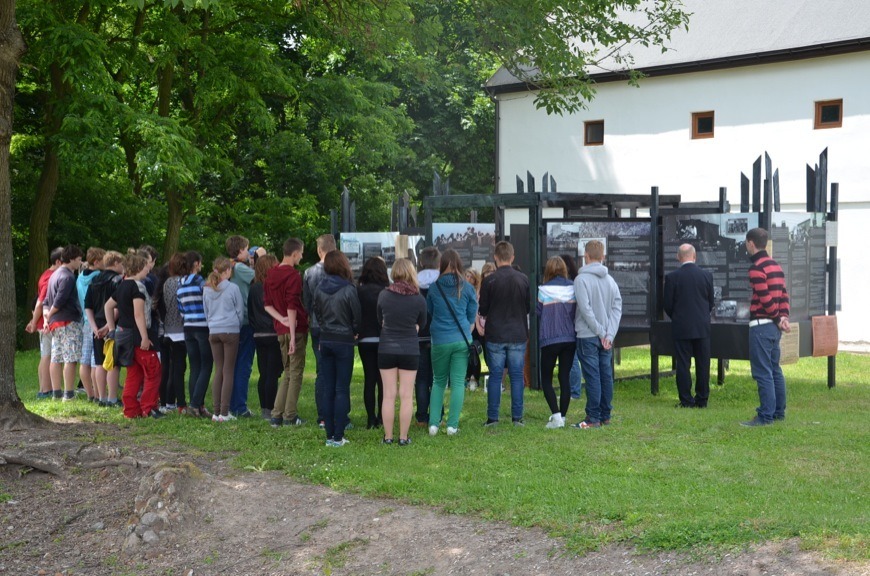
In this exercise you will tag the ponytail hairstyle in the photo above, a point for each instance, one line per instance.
(451, 263)
(221, 264)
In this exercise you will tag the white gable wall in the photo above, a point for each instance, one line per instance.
(647, 142)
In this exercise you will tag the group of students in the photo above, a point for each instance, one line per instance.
(415, 333)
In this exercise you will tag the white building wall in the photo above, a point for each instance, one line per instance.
(647, 142)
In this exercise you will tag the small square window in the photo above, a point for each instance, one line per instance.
(593, 133)
(702, 125)
(829, 114)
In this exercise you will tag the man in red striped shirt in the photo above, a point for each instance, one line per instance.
(768, 313)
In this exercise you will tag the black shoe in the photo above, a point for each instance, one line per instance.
(518, 422)
(387, 441)
(404, 441)
(756, 422)
(243, 414)
(779, 418)
(490, 422)
(276, 422)
(156, 414)
(681, 405)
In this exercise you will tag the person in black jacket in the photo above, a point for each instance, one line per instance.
(372, 280)
(336, 305)
(688, 300)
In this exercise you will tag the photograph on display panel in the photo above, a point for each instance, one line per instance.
(720, 247)
(627, 256)
(473, 241)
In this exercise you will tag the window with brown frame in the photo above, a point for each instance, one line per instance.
(593, 133)
(702, 125)
(829, 114)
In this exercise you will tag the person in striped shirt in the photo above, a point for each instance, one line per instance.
(189, 297)
(768, 313)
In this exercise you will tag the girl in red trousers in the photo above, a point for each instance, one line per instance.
(133, 339)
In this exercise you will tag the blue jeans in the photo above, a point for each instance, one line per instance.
(513, 355)
(201, 363)
(576, 377)
(423, 383)
(242, 371)
(598, 374)
(336, 370)
(764, 360)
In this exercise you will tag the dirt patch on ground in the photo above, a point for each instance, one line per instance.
(116, 508)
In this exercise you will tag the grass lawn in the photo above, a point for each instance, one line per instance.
(658, 478)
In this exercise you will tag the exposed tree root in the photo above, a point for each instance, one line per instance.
(33, 461)
(126, 461)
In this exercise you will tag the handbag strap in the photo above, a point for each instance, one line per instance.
(452, 313)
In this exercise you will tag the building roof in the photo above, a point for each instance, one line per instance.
(729, 33)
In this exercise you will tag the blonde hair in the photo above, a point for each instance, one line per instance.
(403, 271)
(595, 250)
(555, 267)
(473, 277)
(488, 268)
(218, 267)
(111, 258)
(134, 263)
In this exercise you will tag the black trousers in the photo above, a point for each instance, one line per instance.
(173, 363)
(564, 353)
(270, 366)
(684, 351)
(368, 355)
(423, 383)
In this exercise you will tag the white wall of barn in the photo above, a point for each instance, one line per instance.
(647, 142)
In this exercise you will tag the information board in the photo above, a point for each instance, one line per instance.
(720, 246)
(628, 256)
(797, 242)
(360, 246)
(799, 246)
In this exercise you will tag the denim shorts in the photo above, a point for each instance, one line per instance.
(87, 348)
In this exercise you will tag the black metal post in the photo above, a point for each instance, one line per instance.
(832, 279)
(655, 304)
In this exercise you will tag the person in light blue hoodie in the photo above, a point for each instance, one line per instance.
(224, 312)
(599, 309)
(556, 308)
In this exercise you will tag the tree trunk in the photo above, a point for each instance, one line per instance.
(46, 189)
(40, 217)
(12, 47)
(174, 221)
(174, 204)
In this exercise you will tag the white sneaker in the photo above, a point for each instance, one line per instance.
(556, 421)
(452, 431)
(227, 418)
(216, 418)
(433, 430)
(472, 384)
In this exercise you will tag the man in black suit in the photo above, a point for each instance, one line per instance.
(688, 302)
